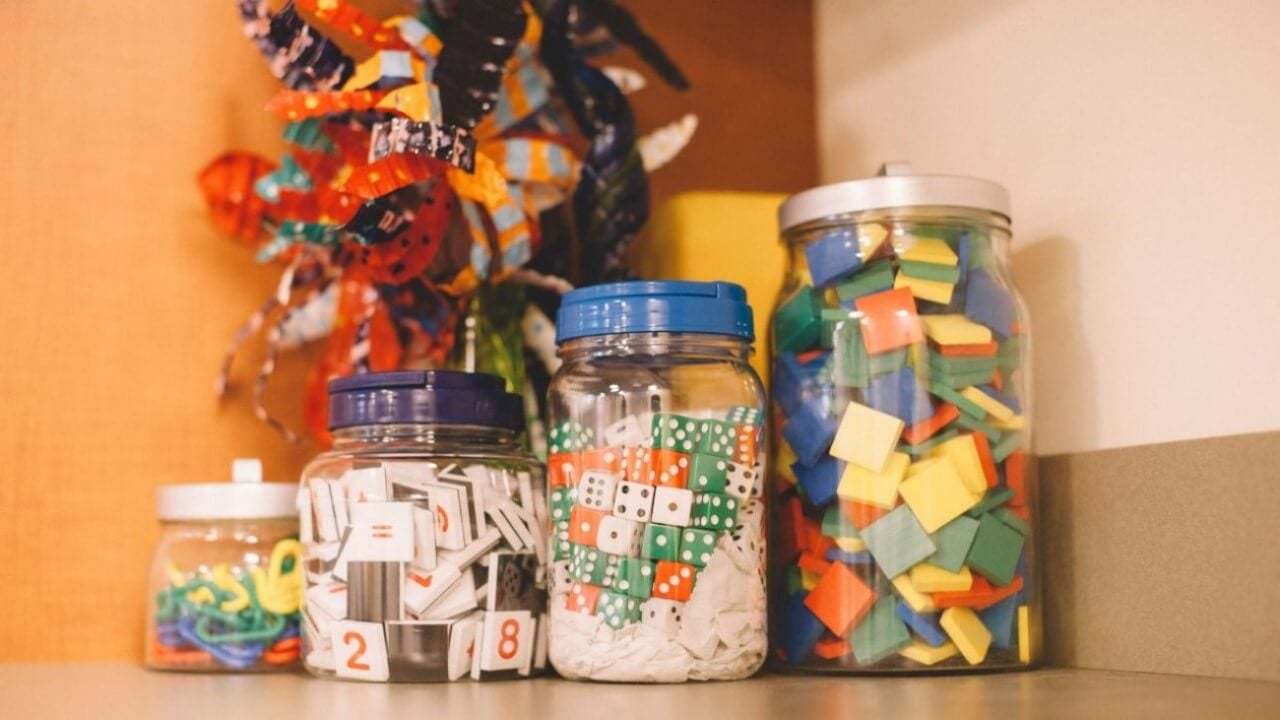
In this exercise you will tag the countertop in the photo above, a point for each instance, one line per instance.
(117, 690)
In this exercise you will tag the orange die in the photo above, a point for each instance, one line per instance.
(748, 445)
(673, 580)
(634, 465)
(562, 469)
(584, 524)
(889, 320)
(582, 599)
(839, 599)
(603, 459)
(669, 468)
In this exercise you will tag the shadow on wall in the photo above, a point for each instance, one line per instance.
(1047, 273)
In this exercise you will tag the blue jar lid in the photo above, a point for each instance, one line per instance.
(717, 308)
(443, 397)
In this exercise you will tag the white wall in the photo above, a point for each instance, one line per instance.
(1141, 143)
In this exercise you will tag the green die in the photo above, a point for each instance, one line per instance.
(635, 577)
(560, 540)
(661, 542)
(617, 609)
(743, 415)
(674, 432)
(589, 565)
(696, 546)
(796, 323)
(708, 473)
(716, 437)
(995, 551)
(713, 511)
(562, 500)
(568, 436)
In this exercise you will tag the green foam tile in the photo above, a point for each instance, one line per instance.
(953, 540)
(995, 551)
(880, 634)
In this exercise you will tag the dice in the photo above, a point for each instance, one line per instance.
(562, 470)
(584, 524)
(748, 444)
(559, 541)
(672, 506)
(717, 438)
(562, 501)
(620, 536)
(708, 473)
(713, 511)
(672, 580)
(696, 546)
(607, 460)
(617, 609)
(582, 599)
(633, 501)
(661, 542)
(592, 565)
(595, 489)
(626, 432)
(669, 468)
(635, 577)
(662, 614)
(569, 436)
(674, 432)
(635, 465)
(743, 414)
(743, 481)
(561, 581)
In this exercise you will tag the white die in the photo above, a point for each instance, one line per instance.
(595, 489)
(743, 481)
(672, 506)
(663, 614)
(633, 501)
(561, 580)
(625, 432)
(619, 536)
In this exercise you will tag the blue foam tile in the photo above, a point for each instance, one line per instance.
(924, 624)
(901, 395)
(833, 256)
(800, 629)
(809, 431)
(999, 619)
(860, 557)
(988, 303)
(819, 481)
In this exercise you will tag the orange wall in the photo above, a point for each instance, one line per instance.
(119, 298)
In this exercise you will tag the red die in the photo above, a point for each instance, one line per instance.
(584, 524)
(673, 580)
(563, 470)
(669, 468)
(634, 465)
(748, 445)
(582, 599)
(603, 459)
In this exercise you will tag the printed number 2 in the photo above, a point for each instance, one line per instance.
(353, 662)
(509, 637)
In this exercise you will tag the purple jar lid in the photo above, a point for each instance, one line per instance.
(442, 397)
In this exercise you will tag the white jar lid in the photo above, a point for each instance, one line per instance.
(246, 497)
(895, 186)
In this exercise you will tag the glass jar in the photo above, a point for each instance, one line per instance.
(655, 476)
(423, 533)
(226, 577)
(904, 488)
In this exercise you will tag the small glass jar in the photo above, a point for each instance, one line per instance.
(655, 475)
(226, 577)
(423, 533)
(904, 488)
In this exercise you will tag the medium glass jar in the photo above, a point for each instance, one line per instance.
(226, 577)
(655, 476)
(904, 488)
(423, 533)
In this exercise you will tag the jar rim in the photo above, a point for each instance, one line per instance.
(889, 192)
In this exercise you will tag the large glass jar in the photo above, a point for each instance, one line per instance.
(655, 476)
(423, 533)
(903, 485)
(226, 577)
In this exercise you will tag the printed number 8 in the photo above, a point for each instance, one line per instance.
(354, 661)
(509, 634)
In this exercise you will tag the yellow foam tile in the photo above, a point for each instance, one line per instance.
(866, 437)
(931, 578)
(936, 495)
(925, 654)
(809, 580)
(955, 329)
(929, 250)
(1013, 423)
(966, 630)
(850, 544)
(916, 600)
(963, 453)
(875, 488)
(783, 459)
(1024, 634)
(997, 409)
(920, 466)
(931, 290)
(870, 237)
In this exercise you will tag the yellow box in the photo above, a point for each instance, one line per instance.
(866, 437)
(875, 488)
(955, 330)
(925, 654)
(931, 578)
(966, 630)
(850, 544)
(916, 600)
(719, 236)
(931, 290)
(963, 453)
(1013, 423)
(936, 494)
(929, 250)
(988, 403)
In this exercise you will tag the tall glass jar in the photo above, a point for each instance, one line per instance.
(226, 577)
(903, 487)
(655, 477)
(423, 533)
